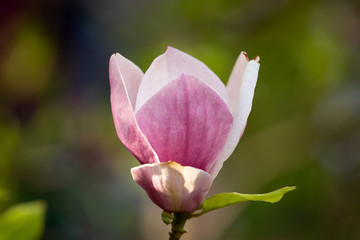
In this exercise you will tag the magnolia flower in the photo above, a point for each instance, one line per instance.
(180, 121)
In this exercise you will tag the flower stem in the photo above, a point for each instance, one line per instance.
(177, 229)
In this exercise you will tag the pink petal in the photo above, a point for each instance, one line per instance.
(186, 122)
(241, 88)
(125, 78)
(173, 187)
(170, 66)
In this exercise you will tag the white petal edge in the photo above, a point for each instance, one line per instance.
(235, 80)
(131, 74)
(240, 112)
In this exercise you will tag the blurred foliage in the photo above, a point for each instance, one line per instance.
(4, 194)
(23, 221)
(30, 59)
(58, 142)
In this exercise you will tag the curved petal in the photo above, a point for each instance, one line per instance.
(186, 122)
(235, 80)
(241, 87)
(125, 78)
(168, 67)
(173, 187)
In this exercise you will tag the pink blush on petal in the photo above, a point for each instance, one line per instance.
(125, 78)
(186, 122)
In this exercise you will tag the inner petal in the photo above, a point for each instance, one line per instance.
(169, 66)
(186, 122)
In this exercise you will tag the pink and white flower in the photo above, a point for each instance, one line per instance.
(180, 121)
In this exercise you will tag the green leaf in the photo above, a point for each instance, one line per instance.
(167, 217)
(23, 221)
(226, 199)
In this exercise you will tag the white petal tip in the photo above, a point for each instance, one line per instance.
(169, 49)
(256, 58)
(245, 55)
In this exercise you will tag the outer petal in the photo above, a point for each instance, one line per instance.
(241, 88)
(235, 81)
(173, 187)
(125, 78)
(186, 122)
(170, 66)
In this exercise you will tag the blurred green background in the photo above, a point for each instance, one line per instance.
(58, 142)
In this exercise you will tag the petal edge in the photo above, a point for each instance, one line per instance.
(122, 110)
(241, 103)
